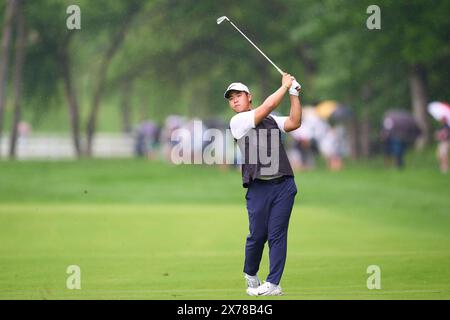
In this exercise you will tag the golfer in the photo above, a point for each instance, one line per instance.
(268, 175)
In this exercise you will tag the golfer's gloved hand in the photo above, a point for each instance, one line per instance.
(293, 89)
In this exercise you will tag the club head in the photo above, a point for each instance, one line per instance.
(221, 19)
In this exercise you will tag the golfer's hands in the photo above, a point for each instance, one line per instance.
(286, 80)
(295, 88)
(291, 84)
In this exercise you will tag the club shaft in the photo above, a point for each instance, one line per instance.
(278, 69)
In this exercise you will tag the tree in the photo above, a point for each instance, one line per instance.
(17, 75)
(374, 70)
(11, 7)
(115, 44)
(65, 64)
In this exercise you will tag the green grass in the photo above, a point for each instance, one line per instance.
(148, 230)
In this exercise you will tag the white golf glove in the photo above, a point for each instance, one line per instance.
(292, 90)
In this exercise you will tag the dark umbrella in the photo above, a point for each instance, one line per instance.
(401, 124)
(342, 113)
(148, 128)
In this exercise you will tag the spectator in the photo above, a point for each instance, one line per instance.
(171, 125)
(332, 146)
(394, 149)
(443, 135)
(146, 139)
(400, 129)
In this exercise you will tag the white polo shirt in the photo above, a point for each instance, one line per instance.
(243, 122)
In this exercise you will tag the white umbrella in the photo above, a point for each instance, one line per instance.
(439, 110)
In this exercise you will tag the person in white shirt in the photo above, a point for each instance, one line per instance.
(271, 186)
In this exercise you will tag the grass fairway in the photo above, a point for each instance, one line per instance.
(141, 230)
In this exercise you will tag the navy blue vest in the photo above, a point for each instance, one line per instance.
(263, 153)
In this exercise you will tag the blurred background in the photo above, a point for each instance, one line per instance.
(135, 70)
(104, 91)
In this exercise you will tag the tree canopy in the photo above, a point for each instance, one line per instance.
(174, 58)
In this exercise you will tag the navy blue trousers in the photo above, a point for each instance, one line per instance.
(269, 207)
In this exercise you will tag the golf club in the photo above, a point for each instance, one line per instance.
(223, 18)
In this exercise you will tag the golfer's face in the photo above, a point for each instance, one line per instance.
(239, 101)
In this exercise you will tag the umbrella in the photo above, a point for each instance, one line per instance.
(326, 108)
(341, 113)
(439, 111)
(401, 124)
(148, 128)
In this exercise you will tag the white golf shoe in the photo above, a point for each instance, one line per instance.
(252, 283)
(266, 289)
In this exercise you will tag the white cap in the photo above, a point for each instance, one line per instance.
(236, 86)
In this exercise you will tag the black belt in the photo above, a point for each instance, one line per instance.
(273, 181)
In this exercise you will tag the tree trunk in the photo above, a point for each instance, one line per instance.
(64, 59)
(308, 63)
(10, 12)
(144, 113)
(419, 98)
(309, 67)
(99, 86)
(266, 88)
(353, 134)
(18, 67)
(126, 106)
(364, 133)
(364, 126)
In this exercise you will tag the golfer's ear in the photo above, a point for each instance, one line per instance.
(249, 97)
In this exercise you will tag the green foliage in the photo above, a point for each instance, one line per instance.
(369, 69)
(179, 60)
